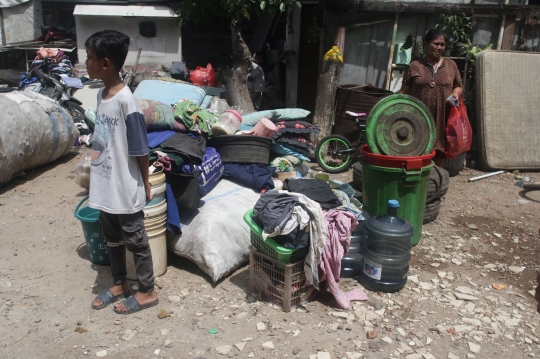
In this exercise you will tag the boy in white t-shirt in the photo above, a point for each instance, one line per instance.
(119, 185)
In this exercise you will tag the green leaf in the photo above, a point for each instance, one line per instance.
(282, 7)
(298, 4)
(263, 5)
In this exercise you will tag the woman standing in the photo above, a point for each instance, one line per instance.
(436, 82)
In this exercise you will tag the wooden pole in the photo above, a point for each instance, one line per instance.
(501, 30)
(391, 56)
(134, 70)
(323, 117)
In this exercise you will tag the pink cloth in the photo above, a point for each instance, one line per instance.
(339, 225)
(46, 52)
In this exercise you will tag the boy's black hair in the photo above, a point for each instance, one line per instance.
(109, 44)
(434, 34)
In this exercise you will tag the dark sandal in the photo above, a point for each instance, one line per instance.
(108, 298)
(132, 305)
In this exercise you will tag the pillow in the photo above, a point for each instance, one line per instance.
(158, 116)
(296, 140)
(296, 126)
(283, 114)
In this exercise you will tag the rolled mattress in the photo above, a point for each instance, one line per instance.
(507, 109)
(34, 130)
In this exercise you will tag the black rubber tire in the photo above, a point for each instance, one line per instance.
(74, 109)
(328, 168)
(434, 184)
(454, 165)
(531, 187)
(357, 176)
(432, 211)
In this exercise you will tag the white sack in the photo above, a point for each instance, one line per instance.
(216, 237)
(34, 130)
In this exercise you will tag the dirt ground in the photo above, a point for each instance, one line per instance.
(487, 233)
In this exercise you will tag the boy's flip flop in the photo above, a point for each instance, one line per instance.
(108, 298)
(132, 305)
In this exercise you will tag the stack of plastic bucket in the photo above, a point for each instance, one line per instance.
(155, 219)
(404, 179)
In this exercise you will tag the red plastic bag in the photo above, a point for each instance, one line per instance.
(204, 76)
(458, 131)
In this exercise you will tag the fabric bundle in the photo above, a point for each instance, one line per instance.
(282, 212)
(195, 118)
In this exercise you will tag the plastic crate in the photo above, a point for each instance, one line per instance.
(285, 287)
(271, 248)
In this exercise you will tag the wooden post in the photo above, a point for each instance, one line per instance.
(508, 36)
(340, 39)
(391, 56)
(323, 117)
(501, 30)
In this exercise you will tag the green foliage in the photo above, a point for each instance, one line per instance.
(473, 51)
(408, 43)
(457, 27)
(237, 10)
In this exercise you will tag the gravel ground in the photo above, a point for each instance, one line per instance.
(468, 295)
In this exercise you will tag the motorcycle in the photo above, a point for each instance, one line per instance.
(52, 87)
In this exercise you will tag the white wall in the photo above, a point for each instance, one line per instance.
(165, 48)
(23, 22)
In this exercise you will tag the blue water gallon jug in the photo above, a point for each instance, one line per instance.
(387, 251)
(352, 262)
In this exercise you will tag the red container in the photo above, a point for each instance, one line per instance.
(408, 163)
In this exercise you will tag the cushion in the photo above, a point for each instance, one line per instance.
(296, 126)
(296, 140)
(283, 114)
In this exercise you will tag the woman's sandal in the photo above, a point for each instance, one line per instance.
(132, 305)
(108, 298)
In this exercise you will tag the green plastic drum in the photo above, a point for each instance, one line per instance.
(409, 188)
(400, 125)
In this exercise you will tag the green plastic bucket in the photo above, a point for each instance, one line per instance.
(407, 186)
(97, 247)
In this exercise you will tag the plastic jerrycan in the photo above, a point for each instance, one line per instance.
(387, 251)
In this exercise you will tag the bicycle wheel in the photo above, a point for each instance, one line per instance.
(74, 110)
(330, 155)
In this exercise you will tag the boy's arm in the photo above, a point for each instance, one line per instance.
(143, 166)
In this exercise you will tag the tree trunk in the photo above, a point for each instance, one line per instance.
(234, 77)
(323, 117)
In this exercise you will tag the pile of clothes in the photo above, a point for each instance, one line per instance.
(307, 213)
(56, 63)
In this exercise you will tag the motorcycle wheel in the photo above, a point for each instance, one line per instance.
(328, 154)
(74, 110)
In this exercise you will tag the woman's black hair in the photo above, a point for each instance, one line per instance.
(433, 34)
(109, 44)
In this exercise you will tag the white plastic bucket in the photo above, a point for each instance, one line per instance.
(158, 194)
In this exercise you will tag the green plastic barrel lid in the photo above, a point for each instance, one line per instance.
(400, 125)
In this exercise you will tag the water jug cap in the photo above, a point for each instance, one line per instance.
(393, 203)
(235, 113)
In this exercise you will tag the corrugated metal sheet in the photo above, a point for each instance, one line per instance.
(10, 3)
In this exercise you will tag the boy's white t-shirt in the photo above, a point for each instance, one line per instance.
(116, 183)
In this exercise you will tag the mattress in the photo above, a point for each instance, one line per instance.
(169, 92)
(508, 109)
